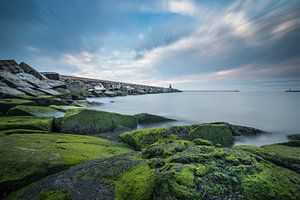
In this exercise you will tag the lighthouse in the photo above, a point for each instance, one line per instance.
(170, 86)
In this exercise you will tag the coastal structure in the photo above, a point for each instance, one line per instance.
(17, 80)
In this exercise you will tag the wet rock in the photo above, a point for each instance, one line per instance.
(85, 121)
(31, 91)
(29, 70)
(8, 92)
(51, 75)
(77, 89)
(6, 104)
(37, 111)
(49, 91)
(56, 83)
(33, 80)
(10, 66)
(145, 118)
(13, 80)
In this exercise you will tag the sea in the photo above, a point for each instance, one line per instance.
(277, 113)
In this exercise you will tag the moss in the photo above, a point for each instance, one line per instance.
(49, 100)
(52, 195)
(145, 118)
(26, 122)
(199, 141)
(135, 184)
(216, 133)
(85, 121)
(21, 131)
(6, 104)
(272, 183)
(28, 157)
(37, 111)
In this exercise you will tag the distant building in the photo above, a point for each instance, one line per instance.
(170, 86)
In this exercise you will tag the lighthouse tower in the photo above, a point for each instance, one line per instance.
(170, 86)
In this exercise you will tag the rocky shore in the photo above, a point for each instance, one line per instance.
(51, 148)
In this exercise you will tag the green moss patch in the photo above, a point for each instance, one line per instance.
(6, 104)
(215, 133)
(26, 122)
(85, 121)
(37, 111)
(25, 158)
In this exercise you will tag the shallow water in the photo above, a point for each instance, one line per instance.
(274, 112)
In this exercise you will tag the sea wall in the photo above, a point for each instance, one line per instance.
(19, 80)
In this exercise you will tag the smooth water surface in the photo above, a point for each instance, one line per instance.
(274, 112)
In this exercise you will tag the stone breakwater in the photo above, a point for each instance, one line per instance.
(22, 80)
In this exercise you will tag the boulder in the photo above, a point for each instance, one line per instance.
(3, 84)
(77, 89)
(37, 111)
(28, 156)
(10, 66)
(50, 100)
(51, 75)
(218, 134)
(110, 93)
(145, 118)
(13, 80)
(49, 91)
(31, 91)
(85, 121)
(33, 80)
(25, 122)
(8, 92)
(29, 70)
(56, 83)
(6, 104)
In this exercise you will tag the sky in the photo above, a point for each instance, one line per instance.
(205, 44)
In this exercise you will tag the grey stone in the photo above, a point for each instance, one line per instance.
(49, 91)
(33, 80)
(51, 75)
(31, 91)
(27, 69)
(10, 66)
(8, 92)
(13, 80)
(56, 83)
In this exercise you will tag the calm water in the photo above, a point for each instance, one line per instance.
(274, 112)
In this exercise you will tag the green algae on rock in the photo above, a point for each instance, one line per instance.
(37, 111)
(96, 179)
(145, 118)
(25, 158)
(6, 104)
(85, 121)
(216, 133)
(26, 122)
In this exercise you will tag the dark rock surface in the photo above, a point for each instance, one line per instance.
(145, 118)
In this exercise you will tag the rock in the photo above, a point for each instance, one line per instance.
(77, 89)
(50, 100)
(31, 91)
(294, 137)
(64, 93)
(49, 91)
(145, 118)
(33, 80)
(56, 83)
(10, 66)
(85, 121)
(215, 133)
(6, 104)
(51, 75)
(3, 84)
(13, 80)
(37, 155)
(29, 70)
(244, 130)
(8, 92)
(37, 111)
(110, 93)
(26, 122)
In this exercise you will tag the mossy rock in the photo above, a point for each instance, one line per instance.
(215, 133)
(50, 100)
(294, 137)
(25, 158)
(37, 111)
(85, 121)
(145, 118)
(118, 177)
(6, 104)
(26, 122)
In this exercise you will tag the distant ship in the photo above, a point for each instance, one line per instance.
(290, 90)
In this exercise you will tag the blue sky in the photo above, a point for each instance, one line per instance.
(204, 44)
